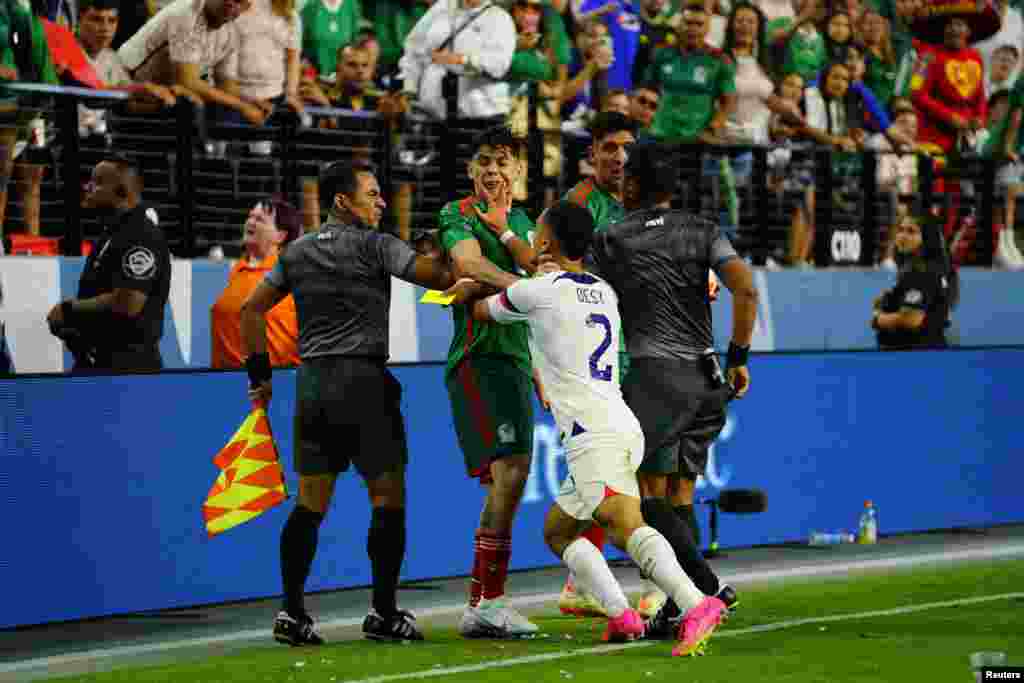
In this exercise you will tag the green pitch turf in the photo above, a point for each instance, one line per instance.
(928, 645)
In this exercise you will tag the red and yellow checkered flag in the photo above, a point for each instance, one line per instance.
(251, 480)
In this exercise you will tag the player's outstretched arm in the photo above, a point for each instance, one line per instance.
(470, 262)
(429, 272)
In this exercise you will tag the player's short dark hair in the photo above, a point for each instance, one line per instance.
(609, 122)
(573, 227)
(695, 6)
(655, 167)
(498, 136)
(341, 177)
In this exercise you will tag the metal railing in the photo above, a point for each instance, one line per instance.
(203, 197)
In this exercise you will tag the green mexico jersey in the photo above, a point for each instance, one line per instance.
(605, 208)
(880, 78)
(805, 54)
(459, 222)
(997, 130)
(691, 83)
(324, 31)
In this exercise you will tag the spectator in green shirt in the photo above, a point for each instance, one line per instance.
(799, 47)
(392, 21)
(328, 25)
(698, 84)
(882, 65)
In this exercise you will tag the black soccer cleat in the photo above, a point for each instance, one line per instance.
(727, 594)
(400, 627)
(296, 630)
(664, 625)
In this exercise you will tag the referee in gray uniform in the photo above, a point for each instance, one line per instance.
(658, 259)
(348, 403)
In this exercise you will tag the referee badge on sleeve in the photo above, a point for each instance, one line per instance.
(139, 263)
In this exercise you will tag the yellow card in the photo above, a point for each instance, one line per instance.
(433, 296)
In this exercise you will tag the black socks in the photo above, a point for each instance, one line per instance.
(688, 514)
(385, 544)
(659, 514)
(298, 547)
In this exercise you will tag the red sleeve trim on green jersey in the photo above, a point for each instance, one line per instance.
(582, 192)
(466, 206)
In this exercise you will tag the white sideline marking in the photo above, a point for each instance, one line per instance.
(762, 628)
(986, 553)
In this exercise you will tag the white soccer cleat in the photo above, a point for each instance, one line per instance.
(494, 619)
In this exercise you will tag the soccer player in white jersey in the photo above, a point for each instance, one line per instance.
(574, 321)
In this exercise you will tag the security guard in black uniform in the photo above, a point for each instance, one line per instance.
(117, 320)
(915, 313)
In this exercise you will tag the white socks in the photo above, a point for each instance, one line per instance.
(655, 557)
(591, 573)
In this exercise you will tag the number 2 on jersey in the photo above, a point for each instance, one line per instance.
(605, 373)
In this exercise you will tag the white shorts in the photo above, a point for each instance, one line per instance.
(597, 463)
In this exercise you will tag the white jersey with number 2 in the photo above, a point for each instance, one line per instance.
(574, 339)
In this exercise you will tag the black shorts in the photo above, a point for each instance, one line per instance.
(348, 411)
(679, 412)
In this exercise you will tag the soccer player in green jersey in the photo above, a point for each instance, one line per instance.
(489, 372)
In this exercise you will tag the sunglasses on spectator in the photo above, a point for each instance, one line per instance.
(647, 102)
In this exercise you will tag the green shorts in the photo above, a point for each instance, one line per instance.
(348, 412)
(492, 408)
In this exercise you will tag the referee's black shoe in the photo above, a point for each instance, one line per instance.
(296, 630)
(727, 594)
(664, 625)
(400, 626)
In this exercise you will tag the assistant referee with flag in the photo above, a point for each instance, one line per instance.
(348, 403)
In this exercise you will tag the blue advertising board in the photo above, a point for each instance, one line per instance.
(104, 477)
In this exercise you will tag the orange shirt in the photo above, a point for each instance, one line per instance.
(226, 319)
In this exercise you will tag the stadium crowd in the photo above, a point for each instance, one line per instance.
(852, 76)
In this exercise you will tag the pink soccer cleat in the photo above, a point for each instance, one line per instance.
(697, 626)
(627, 626)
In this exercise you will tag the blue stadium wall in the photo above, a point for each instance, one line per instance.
(104, 477)
(799, 311)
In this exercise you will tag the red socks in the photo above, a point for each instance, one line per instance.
(490, 567)
(595, 534)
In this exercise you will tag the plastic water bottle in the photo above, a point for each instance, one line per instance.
(820, 538)
(867, 533)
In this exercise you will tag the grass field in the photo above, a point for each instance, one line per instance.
(832, 640)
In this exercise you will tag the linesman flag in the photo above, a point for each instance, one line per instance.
(251, 480)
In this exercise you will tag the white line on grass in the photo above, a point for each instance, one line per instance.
(809, 570)
(762, 628)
